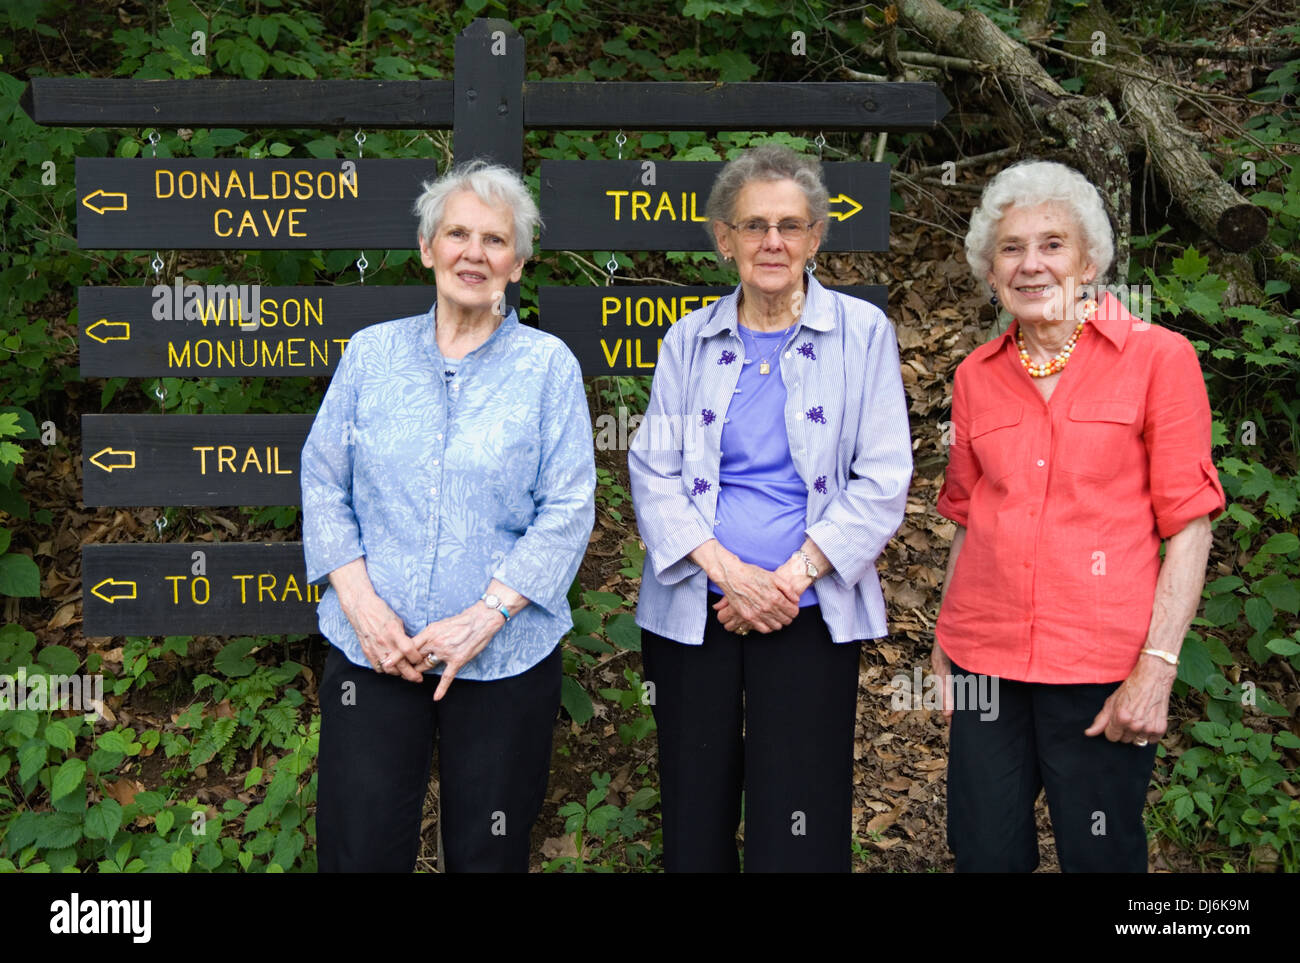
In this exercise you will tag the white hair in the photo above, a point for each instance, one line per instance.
(1028, 184)
(493, 184)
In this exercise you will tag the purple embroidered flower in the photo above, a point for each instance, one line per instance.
(727, 357)
(815, 414)
(701, 486)
(707, 416)
(806, 349)
(820, 484)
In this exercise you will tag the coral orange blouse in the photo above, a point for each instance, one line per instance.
(1066, 501)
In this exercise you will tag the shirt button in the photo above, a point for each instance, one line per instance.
(440, 436)
(798, 416)
(435, 461)
(1041, 463)
(433, 490)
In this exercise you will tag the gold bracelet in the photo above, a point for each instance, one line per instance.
(1162, 654)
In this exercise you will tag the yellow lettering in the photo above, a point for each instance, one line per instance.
(252, 189)
(641, 202)
(271, 359)
(193, 182)
(203, 457)
(292, 344)
(609, 357)
(319, 311)
(226, 350)
(667, 309)
(198, 360)
(243, 588)
(293, 221)
(608, 306)
(665, 202)
(247, 222)
(176, 587)
(276, 192)
(232, 182)
(694, 216)
(210, 181)
(291, 586)
(278, 470)
(263, 588)
(225, 456)
(650, 315)
(251, 456)
(216, 222)
(299, 186)
(194, 590)
(158, 176)
(267, 217)
(618, 196)
(324, 355)
(178, 361)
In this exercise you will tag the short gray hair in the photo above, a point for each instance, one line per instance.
(767, 162)
(494, 184)
(1028, 184)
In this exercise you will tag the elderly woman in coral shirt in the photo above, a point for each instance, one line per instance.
(1081, 442)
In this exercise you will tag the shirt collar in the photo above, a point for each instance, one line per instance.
(502, 334)
(817, 311)
(1112, 321)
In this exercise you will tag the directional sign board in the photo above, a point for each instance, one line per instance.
(192, 459)
(618, 330)
(248, 204)
(219, 331)
(659, 205)
(193, 588)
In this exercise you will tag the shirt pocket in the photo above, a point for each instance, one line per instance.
(993, 436)
(1095, 437)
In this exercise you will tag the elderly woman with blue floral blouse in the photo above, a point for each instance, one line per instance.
(771, 469)
(448, 494)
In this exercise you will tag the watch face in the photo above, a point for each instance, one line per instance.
(492, 601)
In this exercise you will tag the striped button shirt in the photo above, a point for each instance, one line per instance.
(846, 421)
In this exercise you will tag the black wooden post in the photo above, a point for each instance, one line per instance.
(488, 108)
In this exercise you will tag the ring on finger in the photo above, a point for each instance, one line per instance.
(429, 657)
(1139, 742)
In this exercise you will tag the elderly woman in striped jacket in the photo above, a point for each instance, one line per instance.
(781, 474)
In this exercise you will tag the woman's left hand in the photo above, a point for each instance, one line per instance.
(1138, 711)
(456, 640)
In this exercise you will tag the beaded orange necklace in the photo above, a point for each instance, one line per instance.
(1062, 357)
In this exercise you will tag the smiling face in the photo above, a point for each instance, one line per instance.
(772, 266)
(1040, 258)
(472, 253)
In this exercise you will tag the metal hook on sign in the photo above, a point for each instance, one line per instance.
(160, 523)
(360, 138)
(621, 139)
(156, 264)
(820, 143)
(161, 394)
(362, 264)
(154, 138)
(611, 266)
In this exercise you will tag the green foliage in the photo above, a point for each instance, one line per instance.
(608, 836)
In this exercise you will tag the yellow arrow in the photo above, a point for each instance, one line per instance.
(129, 463)
(112, 584)
(838, 198)
(103, 323)
(106, 196)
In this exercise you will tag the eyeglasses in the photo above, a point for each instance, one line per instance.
(754, 230)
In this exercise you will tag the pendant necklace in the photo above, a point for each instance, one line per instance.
(764, 366)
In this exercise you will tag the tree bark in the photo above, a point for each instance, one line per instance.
(1231, 220)
(1082, 132)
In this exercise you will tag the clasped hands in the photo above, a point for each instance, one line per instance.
(753, 597)
(451, 642)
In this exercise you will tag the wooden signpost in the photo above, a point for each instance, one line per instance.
(192, 459)
(659, 205)
(185, 330)
(197, 588)
(618, 330)
(247, 204)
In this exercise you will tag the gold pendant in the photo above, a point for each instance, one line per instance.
(764, 368)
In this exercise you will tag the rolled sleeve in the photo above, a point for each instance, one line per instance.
(669, 523)
(1177, 433)
(542, 564)
(864, 515)
(331, 535)
(963, 470)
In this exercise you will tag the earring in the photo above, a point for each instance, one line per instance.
(811, 266)
(993, 300)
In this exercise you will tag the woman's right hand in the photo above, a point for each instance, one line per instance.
(751, 593)
(941, 666)
(379, 629)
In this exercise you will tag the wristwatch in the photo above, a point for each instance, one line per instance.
(493, 601)
(809, 568)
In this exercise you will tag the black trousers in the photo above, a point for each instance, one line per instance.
(770, 715)
(1031, 738)
(376, 743)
